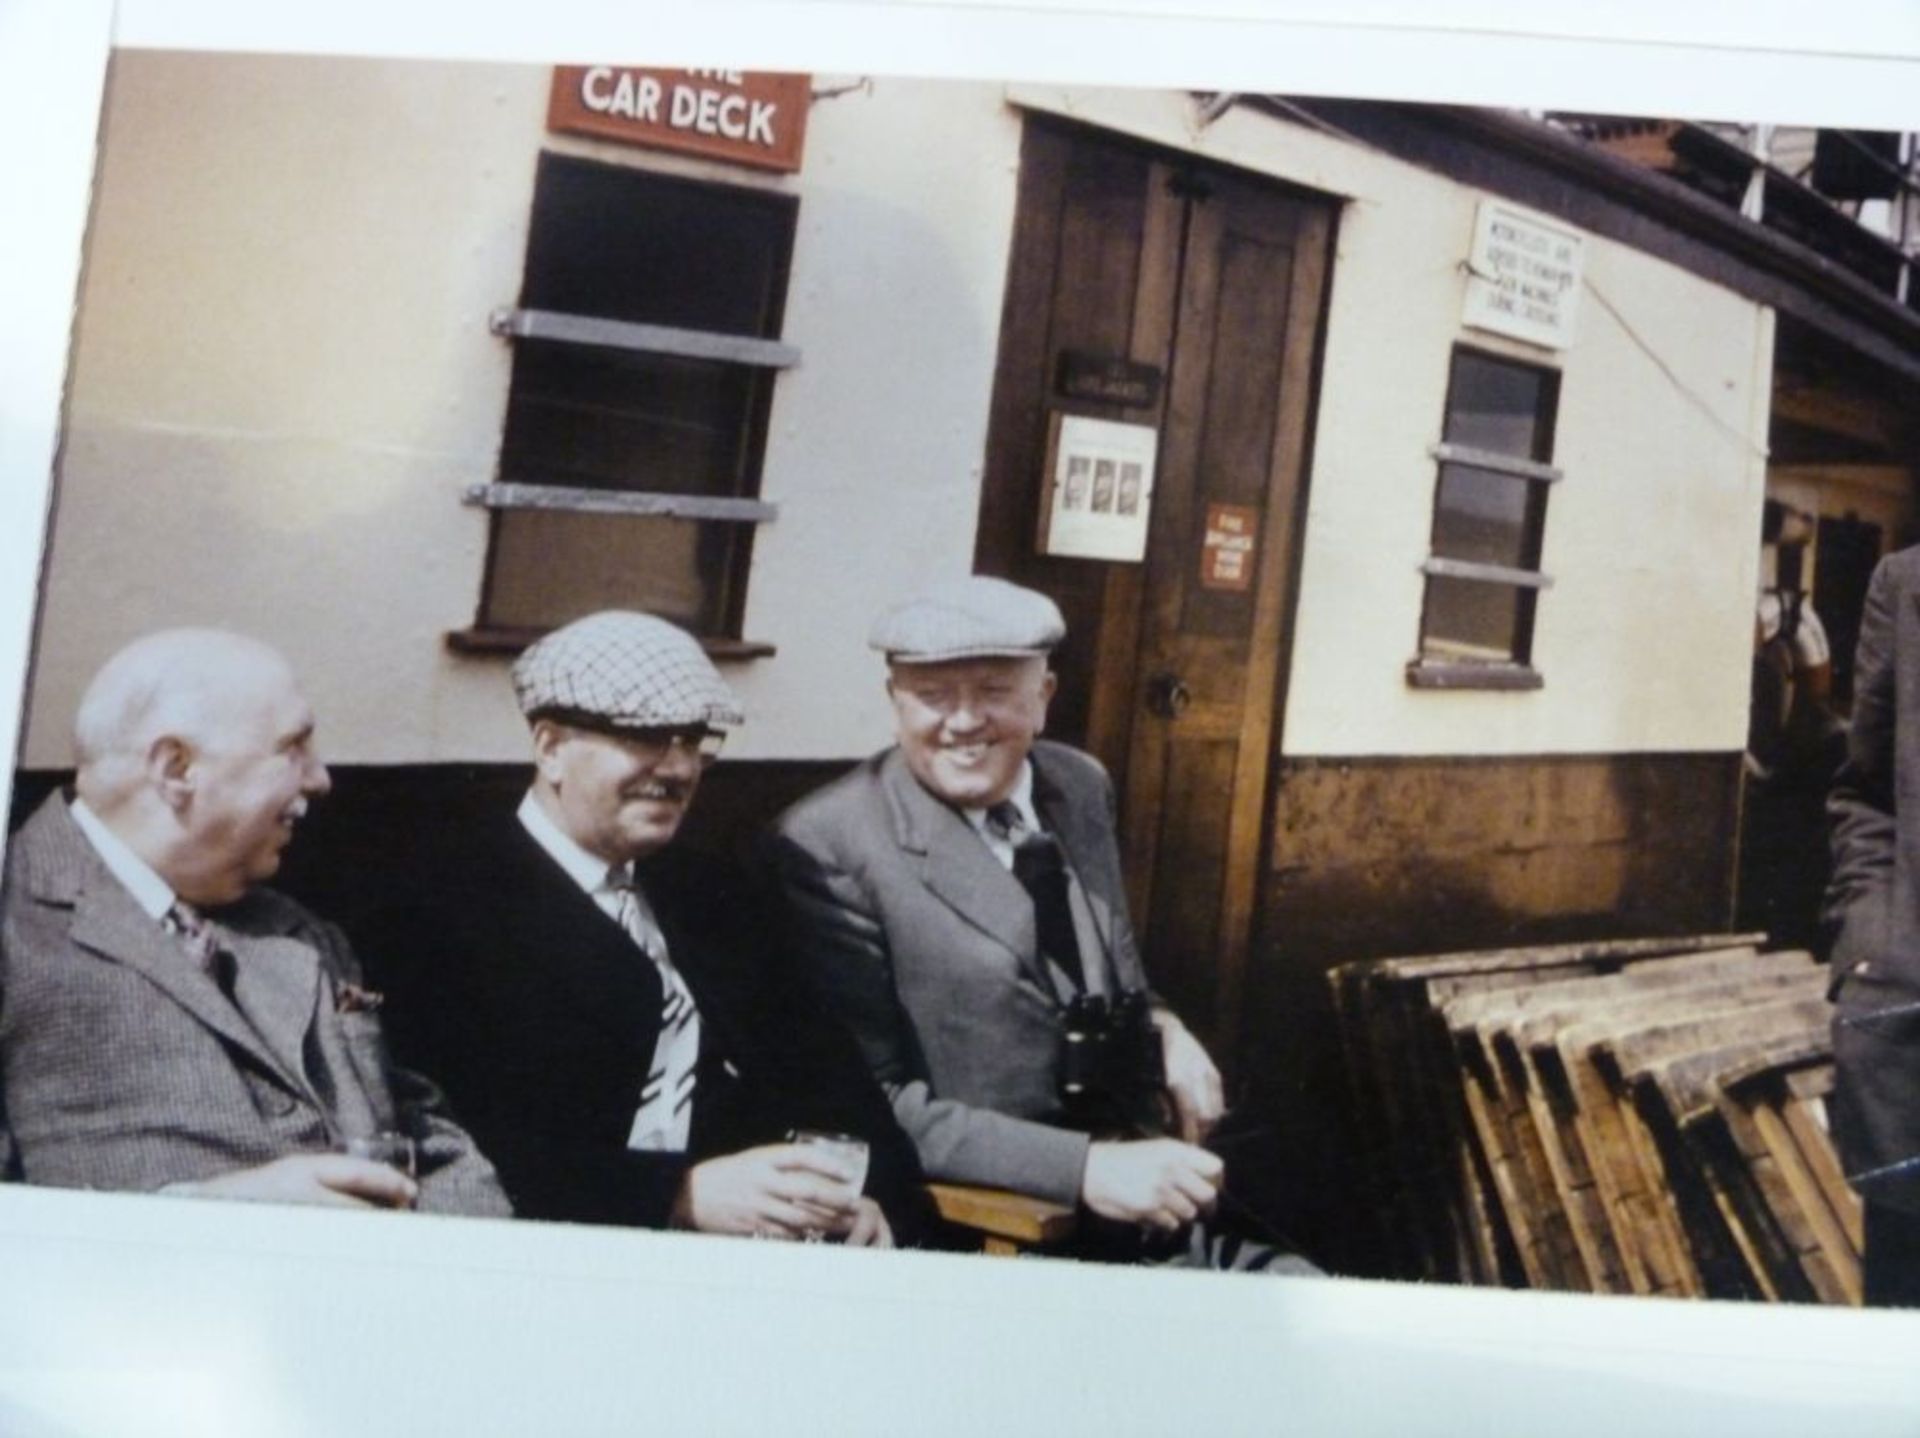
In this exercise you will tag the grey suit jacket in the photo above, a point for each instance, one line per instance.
(1873, 902)
(925, 947)
(123, 1065)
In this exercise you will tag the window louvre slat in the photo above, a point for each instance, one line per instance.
(1492, 459)
(646, 339)
(1437, 674)
(620, 501)
(1487, 573)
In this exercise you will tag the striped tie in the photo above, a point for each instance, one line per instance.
(202, 945)
(664, 1118)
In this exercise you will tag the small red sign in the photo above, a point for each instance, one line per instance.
(1227, 549)
(749, 119)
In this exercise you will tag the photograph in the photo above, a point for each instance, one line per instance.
(1103, 487)
(574, 677)
(1075, 496)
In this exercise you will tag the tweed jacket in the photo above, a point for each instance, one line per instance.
(926, 947)
(511, 988)
(123, 1065)
(1873, 901)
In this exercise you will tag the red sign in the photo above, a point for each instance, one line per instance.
(1227, 549)
(758, 120)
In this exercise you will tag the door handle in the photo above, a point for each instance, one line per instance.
(1167, 696)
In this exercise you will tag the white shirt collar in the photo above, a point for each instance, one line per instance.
(587, 870)
(1021, 798)
(152, 893)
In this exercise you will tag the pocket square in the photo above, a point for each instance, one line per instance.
(352, 999)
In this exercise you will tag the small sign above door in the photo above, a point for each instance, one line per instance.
(749, 119)
(1107, 379)
(1227, 548)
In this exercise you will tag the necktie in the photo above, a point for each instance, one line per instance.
(202, 945)
(664, 1119)
(1042, 871)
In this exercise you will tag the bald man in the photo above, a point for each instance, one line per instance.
(165, 1022)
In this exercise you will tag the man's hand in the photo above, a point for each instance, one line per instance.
(334, 1179)
(869, 1227)
(781, 1190)
(1157, 1181)
(1192, 1080)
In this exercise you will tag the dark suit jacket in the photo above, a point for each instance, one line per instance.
(511, 988)
(1873, 902)
(926, 946)
(123, 1065)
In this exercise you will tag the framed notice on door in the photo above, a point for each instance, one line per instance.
(1098, 488)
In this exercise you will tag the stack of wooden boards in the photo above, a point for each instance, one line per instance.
(1634, 1116)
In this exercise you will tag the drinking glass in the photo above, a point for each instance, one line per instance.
(396, 1150)
(844, 1151)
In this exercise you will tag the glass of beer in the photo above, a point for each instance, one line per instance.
(389, 1146)
(844, 1152)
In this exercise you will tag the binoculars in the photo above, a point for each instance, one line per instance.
(1113, 1078)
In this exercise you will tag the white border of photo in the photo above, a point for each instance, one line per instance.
(123, 1314)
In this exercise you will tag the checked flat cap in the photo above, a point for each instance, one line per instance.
(971, 618)
(625, 670)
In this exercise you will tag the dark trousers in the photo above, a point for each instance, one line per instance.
(1891, 1267)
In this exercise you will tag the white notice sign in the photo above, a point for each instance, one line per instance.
(1523, 276)
(1099, 488)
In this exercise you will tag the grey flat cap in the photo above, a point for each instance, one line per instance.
(971, 618)
(625, 670)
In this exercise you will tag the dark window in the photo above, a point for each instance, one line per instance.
(1489, 515)
(642, 379)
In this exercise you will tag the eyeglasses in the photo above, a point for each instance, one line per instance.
(944, 698)
(654, 745)
(652, 742)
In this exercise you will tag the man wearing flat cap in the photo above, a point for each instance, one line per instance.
(960, 904)
(608, 1015)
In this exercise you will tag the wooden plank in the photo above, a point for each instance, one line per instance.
(1378, 1084)
(1564, 1177)
(1615, 951)
(1747, 1253)
(1756, 1104)
(1805, 1116)
(1487, 1129)
(1804, 1007)
(1507, 1155)
(1509, 1004)
(1015, 1218)
(1621, 1161)
(1444, 1189)
(1716, 1153)
(1646, 1227)
(1732, 1258)
(1580, 1199)
(1541, 1230)
(1632, 1116)
(1372, 1136)
(1836, 1276)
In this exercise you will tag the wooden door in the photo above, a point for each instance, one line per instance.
(1174, 669)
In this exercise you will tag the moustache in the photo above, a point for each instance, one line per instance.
(667, 790)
